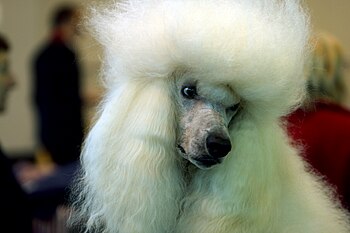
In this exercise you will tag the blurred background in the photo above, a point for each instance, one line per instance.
(26, 25)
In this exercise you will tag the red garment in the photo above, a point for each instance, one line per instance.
(324, 131)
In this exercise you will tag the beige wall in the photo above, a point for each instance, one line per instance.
(25, 24)
(332, 16)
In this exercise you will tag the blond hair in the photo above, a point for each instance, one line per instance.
(326, 77)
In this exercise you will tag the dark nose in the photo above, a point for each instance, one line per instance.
(218, 146)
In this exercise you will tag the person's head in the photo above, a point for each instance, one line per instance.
(6, 79)
(326, 79)
(65, 19)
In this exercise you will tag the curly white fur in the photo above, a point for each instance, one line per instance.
(133, 179)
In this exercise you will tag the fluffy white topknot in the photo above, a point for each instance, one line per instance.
(258, 46)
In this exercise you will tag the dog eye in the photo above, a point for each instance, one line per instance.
(189, 92)
(234, 108)
(232, 112)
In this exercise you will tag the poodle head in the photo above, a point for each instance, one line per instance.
(206, 112)
(230, 62)
(188, 78)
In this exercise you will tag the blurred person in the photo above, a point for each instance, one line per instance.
(57, 89)
(6, 79)
(58, 104)
(322, 125)
(15, 206)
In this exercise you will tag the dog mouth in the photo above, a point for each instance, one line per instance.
(202, 162)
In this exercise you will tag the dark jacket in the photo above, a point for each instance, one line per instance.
(57, 100)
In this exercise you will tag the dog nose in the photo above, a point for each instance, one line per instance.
(218, 146)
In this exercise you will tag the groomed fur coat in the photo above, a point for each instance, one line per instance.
(133, 179)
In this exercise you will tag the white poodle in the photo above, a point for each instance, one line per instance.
(189, 138)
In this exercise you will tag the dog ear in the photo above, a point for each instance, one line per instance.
(128, 154)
